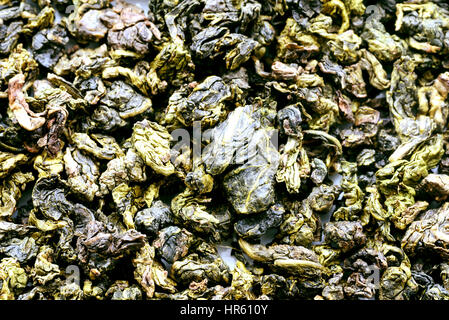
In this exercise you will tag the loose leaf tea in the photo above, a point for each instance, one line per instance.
(205, 149)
